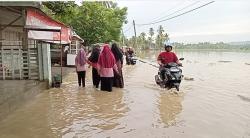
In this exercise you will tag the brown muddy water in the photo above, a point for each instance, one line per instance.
(216, 104)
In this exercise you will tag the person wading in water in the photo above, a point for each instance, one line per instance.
(106, 66)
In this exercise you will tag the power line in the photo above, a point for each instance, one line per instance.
(157, 18)
(177, 11)
(128, 29)
(177, 15)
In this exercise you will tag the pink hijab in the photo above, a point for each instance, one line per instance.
(106, 58)
(81, 57)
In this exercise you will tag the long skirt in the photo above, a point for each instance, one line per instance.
(118, 76)
(106, 83)
(81, 78)
(95, 77)
(118, 80)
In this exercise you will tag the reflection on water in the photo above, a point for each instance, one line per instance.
(169, 107)
(214, 104)
(76, 111)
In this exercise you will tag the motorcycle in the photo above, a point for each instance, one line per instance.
(131, 60)
(169, 76)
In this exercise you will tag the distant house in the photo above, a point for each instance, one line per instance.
(69, 51)
(73, 49)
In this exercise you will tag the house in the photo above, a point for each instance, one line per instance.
(26, 34)
(73, 49)
(69, 51)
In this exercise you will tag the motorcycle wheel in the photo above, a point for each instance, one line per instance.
(157, 79)
(177, 88)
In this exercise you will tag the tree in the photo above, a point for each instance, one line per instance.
(165, 37)
(60, 10)
(151, 33)
(143, 39)
(160, 36)
(108, 4)
(123, 39)
(93, 21)
(157, 41)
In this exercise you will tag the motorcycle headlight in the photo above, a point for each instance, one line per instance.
(174, 70)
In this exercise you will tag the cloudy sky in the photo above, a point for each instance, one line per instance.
(223, 20)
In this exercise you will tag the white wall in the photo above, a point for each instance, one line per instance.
(45, 62)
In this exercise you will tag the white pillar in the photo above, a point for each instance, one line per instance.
(40, 60)
(46, 63)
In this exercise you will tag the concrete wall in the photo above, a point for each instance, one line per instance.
(14, 93)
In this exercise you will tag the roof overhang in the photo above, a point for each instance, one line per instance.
(21, 4)
(43, 28)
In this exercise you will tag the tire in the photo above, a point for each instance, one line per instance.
(177, 88)
(157, 79)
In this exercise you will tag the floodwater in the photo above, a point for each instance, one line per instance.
(215, 104)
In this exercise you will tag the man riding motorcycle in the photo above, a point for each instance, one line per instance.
(167, 57)
(129, 53)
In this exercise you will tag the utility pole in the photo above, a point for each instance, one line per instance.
(135, 42)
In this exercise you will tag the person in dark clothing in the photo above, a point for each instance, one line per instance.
(118, 77)
(129, 53)
(92, 60)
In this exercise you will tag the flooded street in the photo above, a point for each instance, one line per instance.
(213, 105)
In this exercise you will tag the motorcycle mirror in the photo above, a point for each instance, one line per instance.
(181, 59)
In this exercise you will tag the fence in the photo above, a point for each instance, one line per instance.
(17, 63)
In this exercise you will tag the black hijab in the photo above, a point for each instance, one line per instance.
(94, 55)
(117, 52)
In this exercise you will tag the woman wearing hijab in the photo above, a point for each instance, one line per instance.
(106, 67)
(80, 62)
(92, 60)
(118, 77)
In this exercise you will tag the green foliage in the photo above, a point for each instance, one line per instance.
(151, 32)
(207, 45)
(93, 21)
(143, 43)
(161, 37)
(142, 39)
(60, 10)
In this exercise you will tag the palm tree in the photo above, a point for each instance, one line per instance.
(157, 41)
(151, 33)
(165, 37)
(160, 35)
(108, 4)
(143, 38)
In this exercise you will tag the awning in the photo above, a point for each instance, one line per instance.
(39, 19)
(77, 36)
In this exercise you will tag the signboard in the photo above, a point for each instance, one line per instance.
(71, 59)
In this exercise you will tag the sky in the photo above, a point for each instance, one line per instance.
(220, 21)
